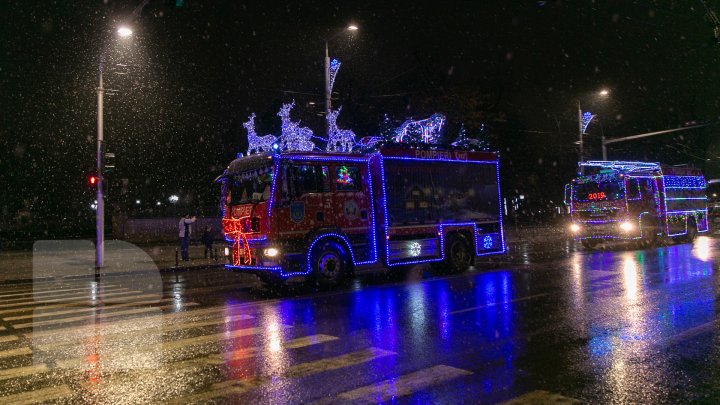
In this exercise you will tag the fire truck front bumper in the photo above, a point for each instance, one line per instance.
(621, 230)
(264, 258)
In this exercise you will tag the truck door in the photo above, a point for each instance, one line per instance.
(351, 206)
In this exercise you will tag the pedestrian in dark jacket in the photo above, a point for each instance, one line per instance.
(207, 238)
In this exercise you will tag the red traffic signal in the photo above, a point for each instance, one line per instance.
(93, 180)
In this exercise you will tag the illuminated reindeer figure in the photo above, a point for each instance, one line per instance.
(428, 129)
(293, 136)
(339, 140)
(257, 144)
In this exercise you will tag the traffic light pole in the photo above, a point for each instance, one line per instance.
(100, 210)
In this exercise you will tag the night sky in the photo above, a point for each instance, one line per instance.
(194, 70)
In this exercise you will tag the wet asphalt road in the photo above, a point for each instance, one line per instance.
(547, 322)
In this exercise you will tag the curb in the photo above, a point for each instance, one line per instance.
(120, 273)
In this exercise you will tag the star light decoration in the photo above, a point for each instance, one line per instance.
(334, 68)
(586, 118)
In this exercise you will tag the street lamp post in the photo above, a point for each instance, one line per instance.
(581, 125)
(100, 208)
(328, 80)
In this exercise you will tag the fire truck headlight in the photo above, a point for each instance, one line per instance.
(227, 251)
(627, 226)
(271, 252)
(574, 228)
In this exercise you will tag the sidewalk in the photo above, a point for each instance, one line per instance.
(78, 261)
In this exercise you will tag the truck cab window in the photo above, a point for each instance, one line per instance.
(347, 178)
(304, 179)
(633, 189)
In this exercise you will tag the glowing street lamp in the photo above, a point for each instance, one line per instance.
(122, 32)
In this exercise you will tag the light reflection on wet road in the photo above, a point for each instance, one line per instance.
(615, 326)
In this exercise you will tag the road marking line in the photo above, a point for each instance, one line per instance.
(248, 352)
(80, 304)
(184, 315)
(541, 397)
(80, 310)
(401, 386)
(50, 394)
(98, 316)
(21, 351)
(54, 290)
(8, 338)
(63, 300)
(8, 373)
(301, 370)
(125, 355)
(688, 334)
(69, 295)
(73, 337)
(494, 304)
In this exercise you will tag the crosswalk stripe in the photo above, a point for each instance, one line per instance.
(2, 328)
(54, 290)
(301, 370)
(8, 338)
(83, 304)
(248, 352)
(59, 294)
(493, 304)
(124, 355)
(36, 314)
(184, 315)
(98, 316)
(541, 397)
(64, 301)
(49, 394)
(8, 373)
(21, 351)
(402, 386)
(72, 337)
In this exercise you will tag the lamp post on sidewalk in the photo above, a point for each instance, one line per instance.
(122, 32)
(328, 78)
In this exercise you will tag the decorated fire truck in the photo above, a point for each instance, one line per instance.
(636, 201)
(326, 215)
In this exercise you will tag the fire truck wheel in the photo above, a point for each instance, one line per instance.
(692, 231)
(330, 265)
(650, 230)
(458, 256)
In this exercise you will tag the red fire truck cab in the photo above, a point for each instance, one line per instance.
(326, 215)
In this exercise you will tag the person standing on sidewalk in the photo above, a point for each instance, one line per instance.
(184, 232)
(207, 238)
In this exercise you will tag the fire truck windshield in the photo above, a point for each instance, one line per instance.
(603, 191)
(250, 187)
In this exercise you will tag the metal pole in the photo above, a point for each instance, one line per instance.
(327, 87)
(100, 211)
(580, 131)
(604, 148)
